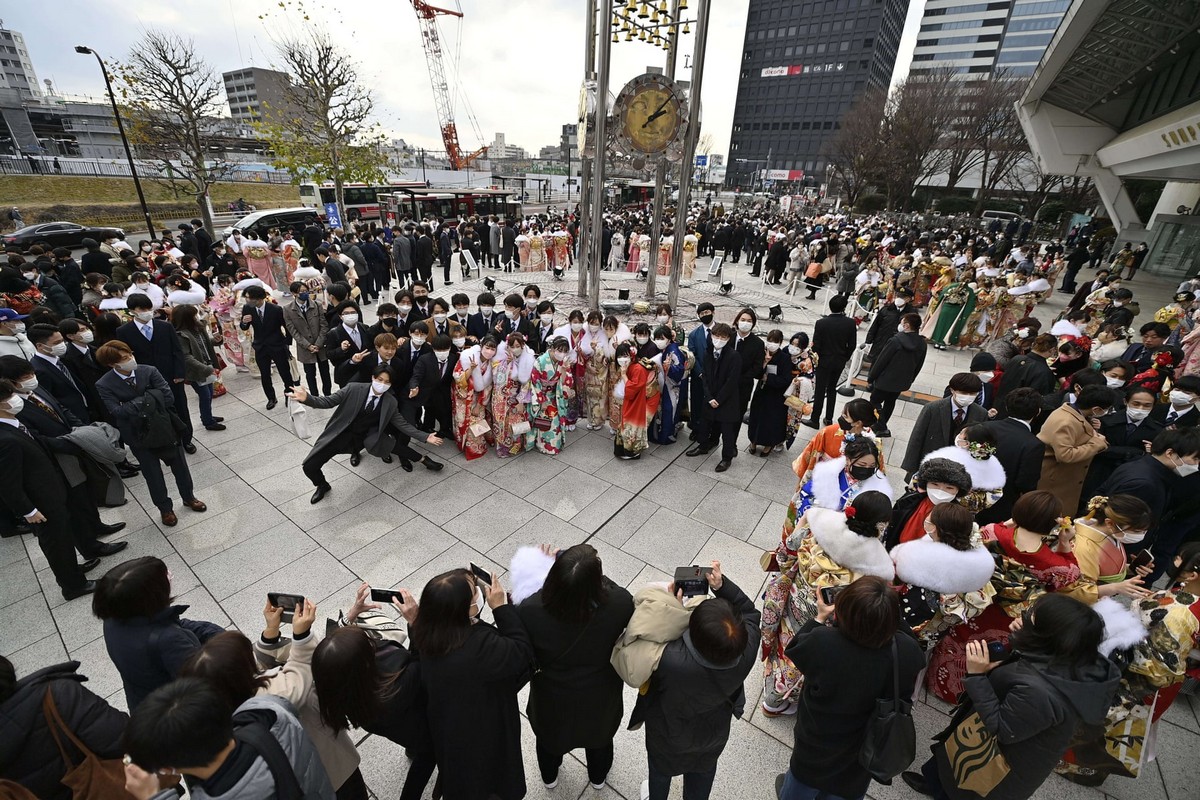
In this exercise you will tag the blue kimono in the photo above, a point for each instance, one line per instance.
(662, 428)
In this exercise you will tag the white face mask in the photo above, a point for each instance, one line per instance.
(28, 385)
(477, 603)
(939, 496)
(418, 341)
(144, 316)
(87, 336)
(963, 400)
(405, 309)
(58, 350)
(794, 349)
(350, 320)
(986, 377)
(593, 329)
(441, 355)
(29, 275)
(18, 327)
(661, 344)
(1132, 537)
(576, 327)
(1183, 469)
(510, 313)
(1023, 333)
(128, 366)
(745, 325)
(379, 387)
(1113, 383)
(662, 319)
(440, 317)
(16, 404)
(772, 347)
(624, 361)
(461, 312)
(1137, 414)
(546, 318)
(515, 352)
(1179, 398)
(531, 302)
(899, 302)
(719, 343)
(459, 341)
(642, 339)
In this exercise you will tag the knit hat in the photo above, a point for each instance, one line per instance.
(943, 470)
(983, 362)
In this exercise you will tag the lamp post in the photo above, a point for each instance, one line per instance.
(124, 140)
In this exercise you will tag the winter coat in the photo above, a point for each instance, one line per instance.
(148, 652)
(1071, 444)
(657, 620)
(884, 327)
(943, 587)
(691, 702)
(1032, 709)
(898, 363)
(306, 329)
(199, 358)
(28, 754)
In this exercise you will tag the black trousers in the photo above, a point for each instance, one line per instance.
(310, 377)
(494, 260)
(599, 762)
(179, 391)
(157, 484)
(725, 432)
(446, 270)
(54, 539)
(366, 284)
(885, 405)
(698, 414)
(826, 378)
(279, 358)
(349, 443)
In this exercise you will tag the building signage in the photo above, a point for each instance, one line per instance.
(783, 174)
(778, 72)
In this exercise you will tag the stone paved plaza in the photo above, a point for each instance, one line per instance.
(395, 529)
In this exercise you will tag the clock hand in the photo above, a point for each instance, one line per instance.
(658, 112)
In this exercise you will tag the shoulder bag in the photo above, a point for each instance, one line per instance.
(93, 778)
(890, 745)
(258, 737)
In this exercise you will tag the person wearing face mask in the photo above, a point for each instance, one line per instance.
(1167, 471)
(975, 449)
(513, 320)
(664, 316)
(892, 373)
(54, 375)
(936, 481)
(593, 349)
(367, 417)
(155, 343)
(532, 294)
(751, 351)
(575, 332)
(768, 412)
(939, 422)
(1182, 409)
(886, 323)
(473, 399)
(512, 370)
(429, 388)
(1072, 438)
(13, 341)
(306, 324)
(671, 366)
(636, 391)
(54, 296)
(482, 322)
(343, 341)
(698, 343)
(1130, 432)
(544, 328)
(834, 339)
(440, 317)
(722, 373)
(81, 358)
(1110, 528)
(143, 285)
(552, 386)
(270, 342)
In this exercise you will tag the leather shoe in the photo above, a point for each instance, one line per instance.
(169, 519)
(218, 419)
(722, 466)
(190, 449)
(698, 450)
(387, 459)
(90, 564)
(126, 472)
(430, 464)
(916, 781)
(195, 505)
(406, 465)
(118, 505)
(216, 426)
(320, 493)
(272, 403)
(811, 423)
(87, 588)
(355, 459)
(108, 548)
(109, 530)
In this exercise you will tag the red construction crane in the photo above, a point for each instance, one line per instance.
(427, 15)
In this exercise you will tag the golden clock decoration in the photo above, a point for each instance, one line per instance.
(652, 114)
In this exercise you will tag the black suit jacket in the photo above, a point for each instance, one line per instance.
(480, 327)
(349, 372)
(504, 326)
(721, 378)
(935, 428)
(1025, 370)
(538, 339)
(428, 380)
(270, 334)
(89, 370)
(163, 351)
(404, 365)
(333, 344)
(1187, 420)
(69, 394)
(1020, 452)
(29, 475)
(834, 339)
(751, 352)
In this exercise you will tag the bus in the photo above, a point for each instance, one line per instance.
(634, 194)
(361, 200)
(449, 204)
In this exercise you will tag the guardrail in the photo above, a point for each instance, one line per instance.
(107, 168)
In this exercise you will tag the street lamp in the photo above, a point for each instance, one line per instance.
(121, 128)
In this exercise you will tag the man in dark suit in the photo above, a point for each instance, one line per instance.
(53, 373)
(346, 339)
(751, 351)
(35, 491)
(335, 270)
(156, 344)
(508, 245)
(422, 302)
(543, 327)
(1031, 369)
(777, 259)
(188, 242)
(834, 339)
(203, 238)
(1180, 409)
(1154, 336)
(513, 321)
(1018, 450)
(271, 340)
(81, 358)
(367, 416)
(429, 386)
(722, 372)
(423, 254)
(940, 421)
(698, 342)
(480, 323)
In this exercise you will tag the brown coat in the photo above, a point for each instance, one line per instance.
(1071, 444)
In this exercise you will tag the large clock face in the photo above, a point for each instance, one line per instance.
(653, 114)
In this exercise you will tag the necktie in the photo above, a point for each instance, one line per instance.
(37, 401)
(148, 332)
(1171, 416)
(959, 416)
(132, 381)
(24, 430)
(357, 339)
(67, 373)
(373, 403)
(261, 312)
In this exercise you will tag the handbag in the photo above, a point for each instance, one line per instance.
(976, 761)
(157, 426)
(93, 778)
(540, 423)
(890, 745)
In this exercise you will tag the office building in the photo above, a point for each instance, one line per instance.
(16, 67)
(255, 93)
(803, 66)
(980, 39)
(500, 149)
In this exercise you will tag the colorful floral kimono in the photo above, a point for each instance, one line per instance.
(562, 249)
(550, 383)
(941, 587)
(472, 404)
(291, 256)
(577, 363)
(955, 304)
(640, 396)
(523, 250)
(537, 254)
(674, 375)
(976, 329)
(665, 246)
(510, 401)
(1019, 579)
(803, 389)
(595, 348)
(223, 304)
(280, 271)
(818, 552)
(690, 243)
(258, 261)
(635, 253)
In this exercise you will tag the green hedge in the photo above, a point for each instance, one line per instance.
(111, 213)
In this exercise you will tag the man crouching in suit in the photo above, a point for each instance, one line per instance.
(367, 417)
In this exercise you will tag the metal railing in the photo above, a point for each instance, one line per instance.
(112, 168)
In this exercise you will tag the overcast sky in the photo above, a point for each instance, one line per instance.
(519, 62)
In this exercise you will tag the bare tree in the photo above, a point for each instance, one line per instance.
(323, 132)
(172, 99)
(998, 135)
(856, 150)
(918, 115)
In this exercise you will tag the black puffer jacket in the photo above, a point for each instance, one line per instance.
(28, 754)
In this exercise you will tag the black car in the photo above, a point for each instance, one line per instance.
(60, 234)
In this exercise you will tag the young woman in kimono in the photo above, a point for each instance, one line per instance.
(258, 260)
(537, 252)
(635, 250)
(615, 333)
(673, 377)
(511, 373)
(858, 415)
(768, 411)
(638, 387)
(552, 388)
(594, 349)
(523, 251)
(472, 398)
(690, 242)
(802, 387)
(828, 547)
(665, 245)
(576, 361)
(224, 306)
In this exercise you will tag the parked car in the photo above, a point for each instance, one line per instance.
(60, 234)
(274, 218)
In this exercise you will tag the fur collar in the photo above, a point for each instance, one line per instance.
(986, 474)
(827, 484)
(940, 568)
(1123, 627)
(856, 553)
(527, 572)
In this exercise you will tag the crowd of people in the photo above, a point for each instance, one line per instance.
(1011, 569)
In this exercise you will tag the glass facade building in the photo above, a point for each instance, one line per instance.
(979, 39)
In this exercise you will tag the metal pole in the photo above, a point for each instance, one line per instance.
(137, 183)
(585, 183)
(689, 149)
(660, 175)
(597, 209)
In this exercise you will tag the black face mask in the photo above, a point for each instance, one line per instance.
(706, 319)
(843, 424)
(861, 473)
